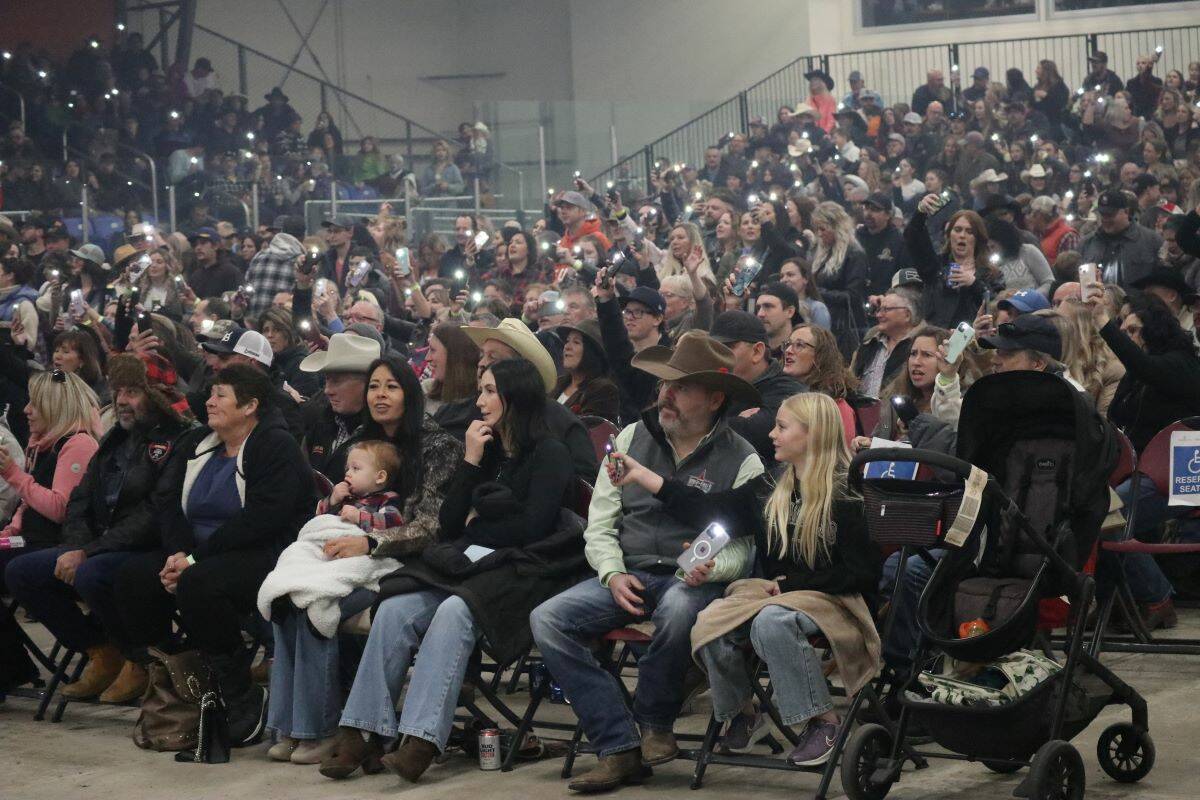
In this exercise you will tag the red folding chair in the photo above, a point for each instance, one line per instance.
(599, 429)
(868, 417)
(1153, 464)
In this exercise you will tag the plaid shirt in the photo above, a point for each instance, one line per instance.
(272, 271)
(376, 512)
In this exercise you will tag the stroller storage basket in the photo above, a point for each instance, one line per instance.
(1013, 731)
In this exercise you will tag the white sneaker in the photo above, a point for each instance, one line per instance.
(282, 750)
(314, 751)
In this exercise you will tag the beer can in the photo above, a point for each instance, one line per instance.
(489, 749)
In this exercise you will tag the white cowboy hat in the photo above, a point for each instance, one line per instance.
(989, 175)
(516, 334)
(348, 352)
(1036, 171)
(799, 148)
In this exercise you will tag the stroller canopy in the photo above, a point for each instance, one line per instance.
(1000, 410)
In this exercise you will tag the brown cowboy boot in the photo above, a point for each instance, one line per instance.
(412, 758)
(658, 747)
(129, 685)
(103, 666)
(611, 772)
(351, 753)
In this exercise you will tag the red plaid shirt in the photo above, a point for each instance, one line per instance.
(376, 512)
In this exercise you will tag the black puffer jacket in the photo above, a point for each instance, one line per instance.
(96, 527)
(944, 306)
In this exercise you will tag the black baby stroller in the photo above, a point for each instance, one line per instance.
(1043, 456)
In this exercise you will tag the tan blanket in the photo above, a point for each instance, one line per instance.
(845, 622)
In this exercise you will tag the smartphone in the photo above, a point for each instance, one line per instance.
(359, 273)
(481, 239)
(611, 448)
(309, 263)
(958, 341)
(320, 287)
(476, 300)
(746, 274)
(77, 305)
(460, 279)
(403, 262)
(143, 321)
(905, 408)
(606, 281)
(705, 548)
(1087, 277)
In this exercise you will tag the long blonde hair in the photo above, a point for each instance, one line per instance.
(1084, 353)
(66, 403)
(827, 261)
(673, 266)
(808, 531)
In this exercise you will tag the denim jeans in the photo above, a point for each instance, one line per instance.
(565, 626)
(780, 638)
(31, 580)
(306, 697)
(1146, 580)
(444, 628)
(898, 648)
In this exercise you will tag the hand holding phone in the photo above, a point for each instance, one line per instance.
(617, 466)
(705, 548)
(958, 341)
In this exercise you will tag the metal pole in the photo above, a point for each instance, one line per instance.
(171, 205)
(476, 194)
(21, 99)
(84, 214)
(612, 137)
(332, 196)
(153, 186)
(243, 76)
(542, 156)
(65, 156)
(520, 190)
(254, 207)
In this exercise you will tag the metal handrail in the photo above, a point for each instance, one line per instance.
(20, 100)
(140, 154)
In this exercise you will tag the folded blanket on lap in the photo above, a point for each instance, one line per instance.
(313, 582)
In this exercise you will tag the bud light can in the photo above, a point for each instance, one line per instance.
(489, 749)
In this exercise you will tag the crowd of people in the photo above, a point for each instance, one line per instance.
(115, 108)
(213, 437)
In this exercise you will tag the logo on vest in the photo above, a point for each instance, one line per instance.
(1046, 464)
(700, 482)
(158, 451)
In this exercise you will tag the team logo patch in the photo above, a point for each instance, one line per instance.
(158, 451)
(700, 482)
(318, 450)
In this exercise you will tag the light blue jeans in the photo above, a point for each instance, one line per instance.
(305, 689)
(780, 638)
(442, 625)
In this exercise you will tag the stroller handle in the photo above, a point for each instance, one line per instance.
(932, 458)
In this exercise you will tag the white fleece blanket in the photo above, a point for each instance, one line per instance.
(314, 582)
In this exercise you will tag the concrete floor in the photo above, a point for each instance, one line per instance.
(90, 755)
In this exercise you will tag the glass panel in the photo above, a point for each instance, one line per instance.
(882, 13)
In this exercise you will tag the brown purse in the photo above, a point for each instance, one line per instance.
(170, 708)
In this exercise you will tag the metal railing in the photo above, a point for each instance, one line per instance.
(895, 73)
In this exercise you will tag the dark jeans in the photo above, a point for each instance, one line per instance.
(32, 582)
(898, 648)
(565, 626)
(213, 596)
(16, 667)
(1146, 580)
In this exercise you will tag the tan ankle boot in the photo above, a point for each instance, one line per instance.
(412, 758)
(352, 752)
(129, 685)
(103, 666)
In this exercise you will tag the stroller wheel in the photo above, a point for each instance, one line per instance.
(1001, 767)
(1056, 773)
(868, 751)
(1125, 753)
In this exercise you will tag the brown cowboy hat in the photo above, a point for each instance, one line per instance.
(697, 358)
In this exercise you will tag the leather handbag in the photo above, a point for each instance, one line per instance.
(170, 710)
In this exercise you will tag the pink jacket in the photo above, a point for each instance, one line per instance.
(50, 502)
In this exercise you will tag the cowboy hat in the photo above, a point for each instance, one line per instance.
(697, 358)
(804, 108)
(516, 334)
(989, 175)
(799, 148)
(589, 330)
(348, 352)
(276, 94)
(823, 75)
(1036, 171)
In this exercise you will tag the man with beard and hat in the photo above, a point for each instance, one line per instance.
(632, 543)
(109, 519)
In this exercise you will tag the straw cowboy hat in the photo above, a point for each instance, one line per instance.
(516, 334)
(1036, 171)
(697, 358)
(799, 148)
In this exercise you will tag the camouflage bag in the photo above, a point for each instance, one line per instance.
(1006, 679)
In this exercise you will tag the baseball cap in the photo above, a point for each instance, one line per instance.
(855, 76)
(647, 297)
(879, 200)
(738, 326)
(907, 277)
(205, 233)
(1025, 301)
(1143, 182)
(213, 331)
(912, 117)
(897, 137)
(1026, 332)
(338, 221)
(1099, 56)
(981, 72)
(90, 252)
(872, 95)
(1112, 201)
(573, 198)
(239, 340)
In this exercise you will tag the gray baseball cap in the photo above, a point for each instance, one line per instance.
(573, 199)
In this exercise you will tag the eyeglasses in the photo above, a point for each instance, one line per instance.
(798, 344)
(634, 313)
(881, 309)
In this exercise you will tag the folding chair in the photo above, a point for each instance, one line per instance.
(866, 416)
(599, 429)
(1154, 464)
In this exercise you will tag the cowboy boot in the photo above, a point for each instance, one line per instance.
(129, 685)
(104, 665)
